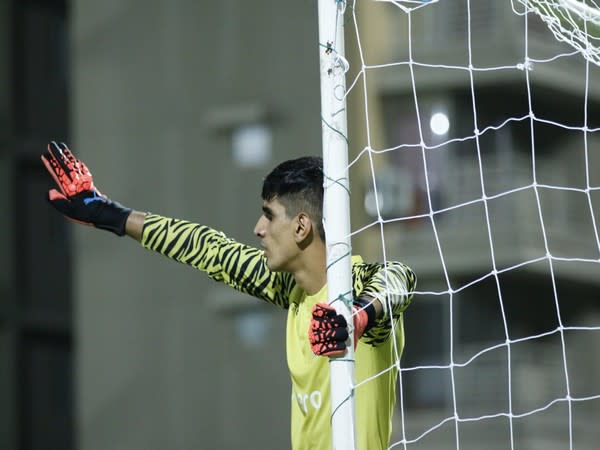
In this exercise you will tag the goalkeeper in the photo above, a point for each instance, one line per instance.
(289, 272)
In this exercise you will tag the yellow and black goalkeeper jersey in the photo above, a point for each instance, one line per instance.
(244, 268)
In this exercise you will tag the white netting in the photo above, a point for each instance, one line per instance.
(477, 136)
(572, 21)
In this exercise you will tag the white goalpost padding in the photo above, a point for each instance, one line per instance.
(336, 210)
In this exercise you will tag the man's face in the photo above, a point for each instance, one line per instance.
(276, 232)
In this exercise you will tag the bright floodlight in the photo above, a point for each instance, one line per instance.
(439, 123)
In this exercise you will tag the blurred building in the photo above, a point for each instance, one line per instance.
(37, 338)
(180, 108)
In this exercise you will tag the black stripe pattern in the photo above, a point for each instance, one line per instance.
(245, 268)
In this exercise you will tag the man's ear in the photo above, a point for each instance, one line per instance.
(304, 228)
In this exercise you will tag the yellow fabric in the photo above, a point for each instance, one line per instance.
(311, 406)
(244, 268)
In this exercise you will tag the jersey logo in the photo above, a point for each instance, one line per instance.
(309, 401)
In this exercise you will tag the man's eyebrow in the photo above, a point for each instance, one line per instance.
(267, 210)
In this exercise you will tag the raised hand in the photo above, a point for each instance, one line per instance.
(78, 199)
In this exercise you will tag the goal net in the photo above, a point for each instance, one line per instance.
(474, 157)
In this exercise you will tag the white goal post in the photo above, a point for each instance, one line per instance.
(336, 210)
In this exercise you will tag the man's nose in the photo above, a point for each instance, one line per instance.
(259, 229)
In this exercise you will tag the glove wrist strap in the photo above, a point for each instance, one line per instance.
(367, 307)
(115, 219)
(112, 216)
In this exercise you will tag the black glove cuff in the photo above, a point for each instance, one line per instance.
(114, 218)
(368, 307)
(88, 207)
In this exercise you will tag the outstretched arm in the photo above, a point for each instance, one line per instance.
(240, 266)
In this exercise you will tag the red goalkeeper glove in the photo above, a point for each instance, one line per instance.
(329, 330)
(79, 199)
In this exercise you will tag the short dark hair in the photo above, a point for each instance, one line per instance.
(298, 185)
